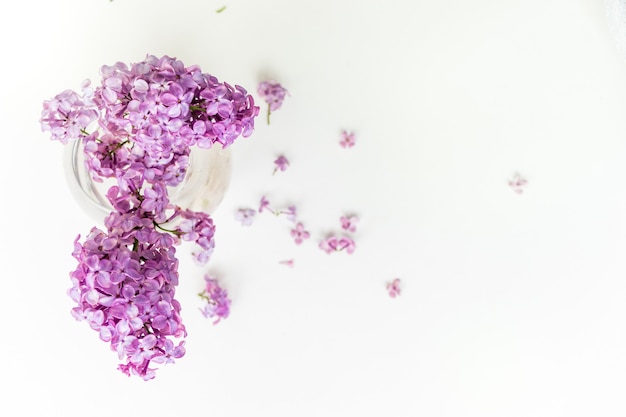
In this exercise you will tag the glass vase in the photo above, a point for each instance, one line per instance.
(203, 188)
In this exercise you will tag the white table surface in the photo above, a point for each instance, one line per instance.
(512, 305)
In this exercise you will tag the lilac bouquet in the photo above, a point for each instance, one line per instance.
(137, 129)
(274, 94)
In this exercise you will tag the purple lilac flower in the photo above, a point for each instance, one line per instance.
(218, 303)
(264, 205)
(287, 262)
(299, 234)
(67, 115)
(245, 216)
(155, 200)
(124, 287)
(347, 139)
(157, 108)
(281, 164)
(290, 213)
(337, 244)
(197, 227)
(348, 223)
(517, 183)
(393, 288)
(273, 93)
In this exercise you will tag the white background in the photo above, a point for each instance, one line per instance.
(512, 305)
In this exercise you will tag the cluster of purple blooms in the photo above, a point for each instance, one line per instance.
(273, 93)
(217, 301)
(144, 119)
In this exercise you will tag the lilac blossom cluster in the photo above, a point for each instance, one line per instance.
(146, 117)
(216, 298)
(274, 94)
(149, 115)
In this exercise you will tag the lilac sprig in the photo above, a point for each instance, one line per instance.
(166, 106)
(216, 298)
(274, 94)
(68, 114)
(125, 282)
(124, 287)
(281, 164)
(197, 227)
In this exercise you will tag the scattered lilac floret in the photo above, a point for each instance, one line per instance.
(299, 234)
(287, 262)
(337, 244)
(218, 303)
(517, 183)
(290, 213)
(347, 139)
(348, 223)
(245, 216)
(281, 163)
(393, 288)
(264, 205)
(274, 94)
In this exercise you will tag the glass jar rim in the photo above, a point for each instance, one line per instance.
(203, 188)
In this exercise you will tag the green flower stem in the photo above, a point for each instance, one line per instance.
(116, 147)
(205, 297)
(158, 226)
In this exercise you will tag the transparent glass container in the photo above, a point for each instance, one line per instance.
(203, 188)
